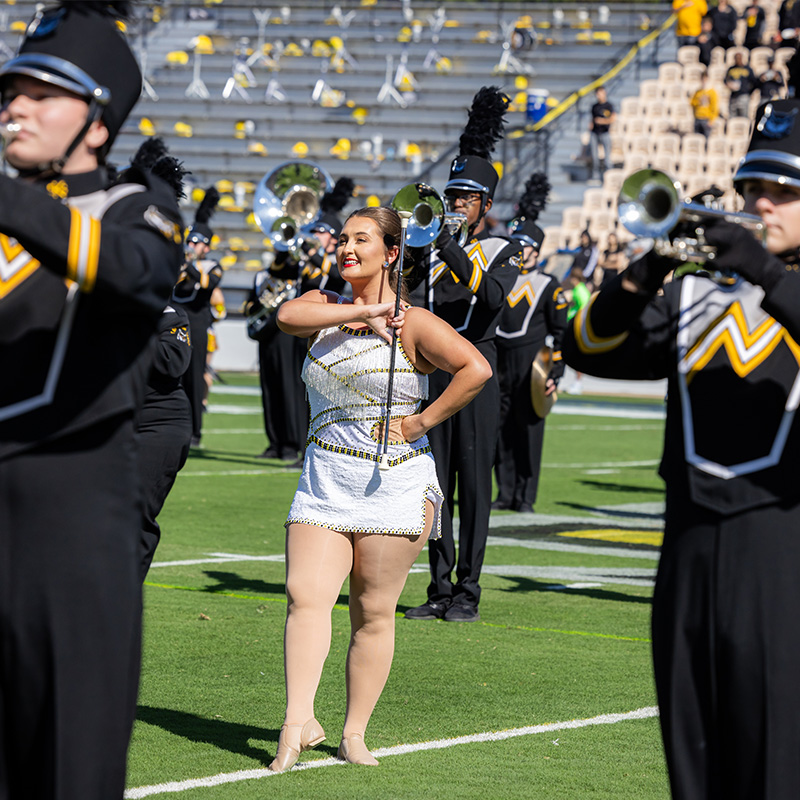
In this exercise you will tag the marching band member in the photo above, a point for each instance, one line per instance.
(200, 276)
(725, 640)
(281, 356)
(88, 261)
(535, 314)
(467, 287)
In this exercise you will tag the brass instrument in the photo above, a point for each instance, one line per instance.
(274, 292)
(428, 215)
(287, 201)
(650, 205)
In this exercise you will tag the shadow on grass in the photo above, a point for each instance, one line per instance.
(622, 487)
(617, 512)
(251, 459)
(529, 585)
(234, 583)
(230, 736)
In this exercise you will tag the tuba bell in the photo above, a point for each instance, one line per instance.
(650, 205)
(287, 200)
(428, 215)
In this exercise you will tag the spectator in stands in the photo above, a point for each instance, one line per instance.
(755, 20)
(741, 81)
(771, 82)
(789, 23)
(705, 105)
(603, 115)
(612, 262)
(586, 257)
(706, 41)
(723, 24)
(689, 13)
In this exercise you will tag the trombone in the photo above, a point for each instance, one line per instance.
(428, 215)
(650, 204)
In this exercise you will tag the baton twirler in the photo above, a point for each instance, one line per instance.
(404, 217)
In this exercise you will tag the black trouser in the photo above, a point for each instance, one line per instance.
(726, 648)
(283, 393)
(164, 436)
(193, 379)
(70, 615)
(463, 448)
(519, 445)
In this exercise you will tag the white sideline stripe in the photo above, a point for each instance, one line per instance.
(399, 750)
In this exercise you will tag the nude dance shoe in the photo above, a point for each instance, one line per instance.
(286, 757)
(354, 751)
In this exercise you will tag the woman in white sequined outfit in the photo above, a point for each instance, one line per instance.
(349, 518)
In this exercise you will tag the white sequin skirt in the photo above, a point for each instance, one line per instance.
(347, 493)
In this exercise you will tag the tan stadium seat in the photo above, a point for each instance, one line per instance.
(717, 56)
(612, 180)
(600, 223)
(693, 144)
(688, 54)
(665, 162)
(572, 218)
(594, 200)
(629, 107)
(682, 117)
(649, 90)
(692, 75)
(782, 56)
(667, 144)
(759, 57)
(636, 161)
(731, 53)
(670, 72)
(635, 126)
(717, 145)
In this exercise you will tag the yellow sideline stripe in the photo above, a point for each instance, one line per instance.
(570, 101)
(338, 607)
(618, 535)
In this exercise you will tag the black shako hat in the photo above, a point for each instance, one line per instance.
(201, 230)
(527, 232)
(80, 47)
(774, 150)
(471, 170)
(531, 204)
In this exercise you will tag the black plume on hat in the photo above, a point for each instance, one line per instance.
(154, 156)
(201, 231)
(79, 46)
(531, 204)
(472, 170)
(485, 124)
(338, 197)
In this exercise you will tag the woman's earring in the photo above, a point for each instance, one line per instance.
(386, 265)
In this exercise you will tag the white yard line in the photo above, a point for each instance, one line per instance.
(174, 787)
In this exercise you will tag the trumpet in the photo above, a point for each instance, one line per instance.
(428, 215)
(9, 130)
(650, 205)
(287, 201)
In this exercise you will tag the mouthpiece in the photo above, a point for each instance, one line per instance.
(9, 130)
(383, 464)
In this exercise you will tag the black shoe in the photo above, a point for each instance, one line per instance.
(462, 613)
(524, 508)
(288, 454)
(500, 505)
(296, 464)
(429, 610)
(195, 442)
(270, 452)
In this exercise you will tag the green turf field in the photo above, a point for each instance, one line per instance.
(518, 705)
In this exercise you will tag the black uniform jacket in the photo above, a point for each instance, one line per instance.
(86, 269)
(173, 353)
(732, 437)
(467, 286)
(194, 288)
(535, 309)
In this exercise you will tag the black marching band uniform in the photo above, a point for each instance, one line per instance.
(88, 263)
(281, 356)
(534, 317)
(467, 287)
(198, 279)
(726, 644)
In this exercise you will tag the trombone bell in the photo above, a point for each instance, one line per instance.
(428, 215)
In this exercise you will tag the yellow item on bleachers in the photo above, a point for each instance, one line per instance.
(444, 64)
(367, 3)
(413, 151)
(360, 115)
(498, 167)
(197, 195)
(584, 37)
(227, 203)
(601, 36)
(237, 244)
(519, 102)
(183, 129)
(253, 265)
(373, 201)
(341, 149)
(224, 186)
(293, 49)
(483, 36)
(405, 35)
(252, 223)
(202, 45)
(177, 58)
(320, 49)
(520, 82)
(227, 261)
(299, 150)
(257, 148)
(452, 23)
(18, 26)
(146, 127)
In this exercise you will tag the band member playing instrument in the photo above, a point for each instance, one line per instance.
(281, 356)
(534, 317)
(725, 640)
(467, 287)
(348, 517)
(87, 264)
(199, 277)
